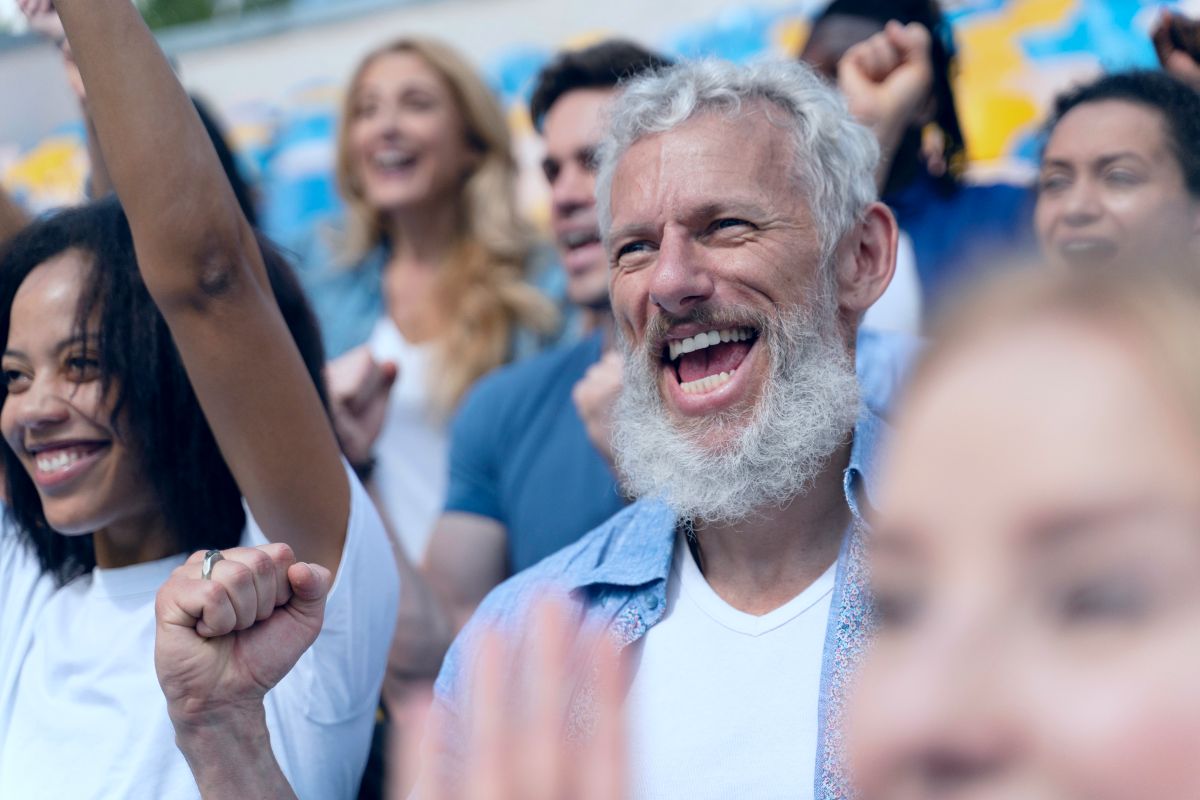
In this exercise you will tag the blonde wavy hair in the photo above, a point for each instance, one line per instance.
(481, 289)
(1151, 304)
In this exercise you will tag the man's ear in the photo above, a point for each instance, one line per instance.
(867, 260)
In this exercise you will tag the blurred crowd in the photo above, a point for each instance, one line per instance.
(831, 474)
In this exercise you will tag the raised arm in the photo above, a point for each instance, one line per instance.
(886, 80)
(199, 259)
(12, 217)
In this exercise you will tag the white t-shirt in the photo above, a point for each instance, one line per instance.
(723, 703)
(81, 712)
(412, 452)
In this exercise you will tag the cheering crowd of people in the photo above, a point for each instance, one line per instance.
(834, 476)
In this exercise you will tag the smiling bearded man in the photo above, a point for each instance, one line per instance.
(737, 208)
(807, 409)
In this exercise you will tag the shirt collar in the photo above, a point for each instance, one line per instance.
(860, 480)
(641, 540)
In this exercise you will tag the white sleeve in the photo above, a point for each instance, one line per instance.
(322, 714)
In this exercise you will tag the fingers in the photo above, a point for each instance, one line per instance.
(356, 379)
(910, 42)
(519, 745)
(310, 585)
(543, 764)
(246, 586)
(603, 762)
(488, 776)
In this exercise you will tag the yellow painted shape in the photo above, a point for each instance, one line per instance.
(57, 167)
(790, 35)
(991, 105)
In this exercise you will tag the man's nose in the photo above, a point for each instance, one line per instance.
(681, 278)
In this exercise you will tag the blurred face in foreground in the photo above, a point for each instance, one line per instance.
(1110, 186)
(1037, 573)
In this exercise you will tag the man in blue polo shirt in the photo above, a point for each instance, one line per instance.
(530, 468)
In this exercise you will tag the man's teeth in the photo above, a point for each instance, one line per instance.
(703, 385)
(678, 347)
(58, 461)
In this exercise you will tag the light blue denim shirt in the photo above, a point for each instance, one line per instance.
(616, 576)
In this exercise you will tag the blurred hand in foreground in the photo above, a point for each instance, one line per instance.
(519, 744)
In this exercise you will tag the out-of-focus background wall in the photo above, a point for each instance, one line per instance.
(273, 70)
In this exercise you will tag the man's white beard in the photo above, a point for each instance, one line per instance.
(771, 454)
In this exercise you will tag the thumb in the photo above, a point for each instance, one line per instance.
(310, 586)
(389, 371)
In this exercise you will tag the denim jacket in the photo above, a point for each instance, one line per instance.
(616, 576)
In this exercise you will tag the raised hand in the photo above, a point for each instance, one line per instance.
(33, 8)
(222, 643)
(519, 746)
(887, 80)
(595, 397)
(1177, 42)
(889, 75)
(358, 393)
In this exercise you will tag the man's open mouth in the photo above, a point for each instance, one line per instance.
(706, 361)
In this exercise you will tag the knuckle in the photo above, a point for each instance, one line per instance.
(212, 594)
(237, 575)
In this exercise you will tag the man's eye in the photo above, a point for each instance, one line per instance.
(589, 159)
(641, 246)
(550, 169)
(728, 222)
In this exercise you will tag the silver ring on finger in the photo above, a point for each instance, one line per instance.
(210, 558)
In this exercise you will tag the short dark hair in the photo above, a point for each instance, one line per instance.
(1178, 103)
(154, 407)
(601, 66)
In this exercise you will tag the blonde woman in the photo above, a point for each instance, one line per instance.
(427, 269)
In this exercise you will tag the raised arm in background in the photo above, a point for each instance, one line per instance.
(12, 217)
(200, 262)
(886, 80)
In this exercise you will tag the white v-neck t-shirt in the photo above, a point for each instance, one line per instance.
(81, 712)
(723, 704)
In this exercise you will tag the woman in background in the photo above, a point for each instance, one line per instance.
(161, 395)
(428, 269)
(1120, 173)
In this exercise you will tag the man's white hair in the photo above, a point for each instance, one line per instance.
(835, 157)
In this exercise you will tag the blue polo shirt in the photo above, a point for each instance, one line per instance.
(519, 454)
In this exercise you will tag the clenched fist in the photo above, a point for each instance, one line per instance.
(595, 397)
(222, 643)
